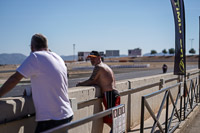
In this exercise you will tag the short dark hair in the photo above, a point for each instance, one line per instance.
(39, 41)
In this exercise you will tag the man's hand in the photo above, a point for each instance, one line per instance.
(78, 84)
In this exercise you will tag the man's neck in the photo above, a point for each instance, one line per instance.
(99, 63)
(42, 49)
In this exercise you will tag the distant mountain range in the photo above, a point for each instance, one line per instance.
(12, 58)
(17, 58)
(69, 57)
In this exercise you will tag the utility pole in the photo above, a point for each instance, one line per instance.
(192, 39)
(74, 51)
(199, 58)
(199, 44)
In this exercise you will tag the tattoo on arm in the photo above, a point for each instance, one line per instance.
(94, 73)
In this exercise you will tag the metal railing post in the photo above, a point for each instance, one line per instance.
(188, 75)
(162, 83)
(129, 109)
(180, 91)
(167, 112)
(198, 88)
(192, 96)
(199, 59)
(184, 100)
(142, 116)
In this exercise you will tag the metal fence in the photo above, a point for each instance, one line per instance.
(188, 97)
(167, 96)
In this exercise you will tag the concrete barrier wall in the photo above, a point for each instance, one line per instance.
(85, 103)
(25, 125)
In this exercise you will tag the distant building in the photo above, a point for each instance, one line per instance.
(137, 52)
(112, 53)
(82, 56)
(101, 53)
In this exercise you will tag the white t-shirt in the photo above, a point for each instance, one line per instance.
(49, 84)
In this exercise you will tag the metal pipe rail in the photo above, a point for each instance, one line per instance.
(167, 96)
(64, 127)
(192, 73)
(7, 71)
(137, 89)
(127, 92)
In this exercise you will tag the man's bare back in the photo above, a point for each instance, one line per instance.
(104, 77)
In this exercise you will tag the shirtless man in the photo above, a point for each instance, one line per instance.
(103, 77)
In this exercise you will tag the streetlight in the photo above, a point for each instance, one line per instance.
(199, 46)
(192, 39)
(74, 52)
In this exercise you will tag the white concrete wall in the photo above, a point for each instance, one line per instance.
(17, 107)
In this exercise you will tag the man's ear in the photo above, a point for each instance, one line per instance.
(32, 48)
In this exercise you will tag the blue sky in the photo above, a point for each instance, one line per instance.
(95, 25)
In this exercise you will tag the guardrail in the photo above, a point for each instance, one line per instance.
(7, 71)
(166, 97)
(191, 97)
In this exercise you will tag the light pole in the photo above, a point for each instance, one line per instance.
(199, 46)
(74, 51)
(199, 57)
(192, 39)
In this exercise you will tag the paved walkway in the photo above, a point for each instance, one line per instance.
(194, 125)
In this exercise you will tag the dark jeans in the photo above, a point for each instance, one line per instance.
(45, 125)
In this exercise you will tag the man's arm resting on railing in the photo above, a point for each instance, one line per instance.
(10, 83)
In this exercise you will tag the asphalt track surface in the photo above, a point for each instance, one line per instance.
(130, 75)
(121, 76)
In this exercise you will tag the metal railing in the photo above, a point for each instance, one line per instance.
(191, 96)
(7, 71)
(65, 127)
(74, 124)
(167, 96)
(187, 97)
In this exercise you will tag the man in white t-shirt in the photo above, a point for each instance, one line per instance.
(49, 83)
